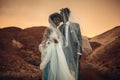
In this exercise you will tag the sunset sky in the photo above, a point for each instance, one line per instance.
(94, 16)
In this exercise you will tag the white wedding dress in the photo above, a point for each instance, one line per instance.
(54, 64)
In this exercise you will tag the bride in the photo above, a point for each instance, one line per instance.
(54, 64)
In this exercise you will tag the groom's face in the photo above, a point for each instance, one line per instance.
(65, 16)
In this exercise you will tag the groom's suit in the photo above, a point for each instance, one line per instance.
(74, 42)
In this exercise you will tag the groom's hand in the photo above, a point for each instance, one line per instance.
(79, 55)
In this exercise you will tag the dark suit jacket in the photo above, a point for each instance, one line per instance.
(74, 36)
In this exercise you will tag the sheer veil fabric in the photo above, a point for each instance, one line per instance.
(86, 47)
(76, 45)
(52, 54)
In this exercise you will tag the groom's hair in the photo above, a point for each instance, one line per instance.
(55, 15)
(66, 11)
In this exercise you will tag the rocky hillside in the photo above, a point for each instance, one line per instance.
(107, 37)
(20, 57)
(105, 57)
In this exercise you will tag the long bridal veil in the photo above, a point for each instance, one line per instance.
(86, 47)
(80, 41)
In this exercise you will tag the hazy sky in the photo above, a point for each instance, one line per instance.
(94, 16)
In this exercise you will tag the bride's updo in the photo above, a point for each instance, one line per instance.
(55, 15)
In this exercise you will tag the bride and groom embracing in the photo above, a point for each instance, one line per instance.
(61, 48)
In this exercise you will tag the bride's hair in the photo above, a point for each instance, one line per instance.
(55, 15)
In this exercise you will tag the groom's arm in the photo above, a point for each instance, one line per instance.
(79, 50)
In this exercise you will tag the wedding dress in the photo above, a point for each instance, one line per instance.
(54, 64)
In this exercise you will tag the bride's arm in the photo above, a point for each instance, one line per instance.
(46, 36)
(45, 59)
(43, 48)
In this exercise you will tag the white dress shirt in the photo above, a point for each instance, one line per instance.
(66, 32)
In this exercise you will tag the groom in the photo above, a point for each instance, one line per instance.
(73, 40)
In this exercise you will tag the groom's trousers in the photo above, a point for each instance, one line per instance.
(79, 72)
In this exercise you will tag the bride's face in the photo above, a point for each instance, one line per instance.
(57, 21)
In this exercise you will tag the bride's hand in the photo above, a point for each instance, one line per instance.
(55, 40)
(41, 66)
